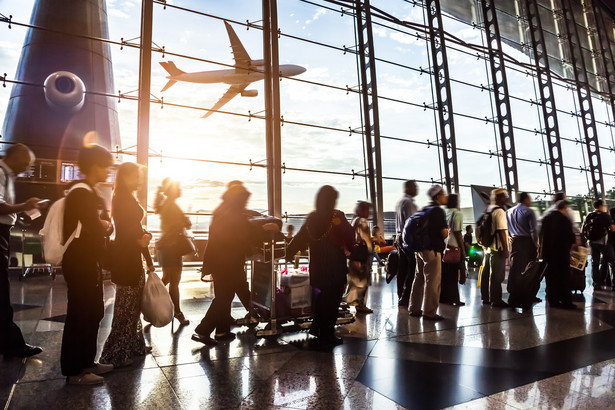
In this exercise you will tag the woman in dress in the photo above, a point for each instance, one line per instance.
(173, 224)
(126, 338)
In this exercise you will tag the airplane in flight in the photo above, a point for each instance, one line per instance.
(246, 71)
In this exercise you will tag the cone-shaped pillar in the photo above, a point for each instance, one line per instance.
(56, 115)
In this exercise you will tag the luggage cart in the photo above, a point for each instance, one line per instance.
(266, 296)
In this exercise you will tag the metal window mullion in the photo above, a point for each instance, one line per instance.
(547, 97)
(442, 84)
(501, 95)
(585, 101)
(606, 54)
(369, 92)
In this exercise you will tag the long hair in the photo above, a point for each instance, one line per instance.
(168, 189)
(123, 171)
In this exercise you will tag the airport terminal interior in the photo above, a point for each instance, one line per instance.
(275, 99)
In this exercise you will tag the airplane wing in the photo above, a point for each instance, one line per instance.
(242, 59)
(228, 96)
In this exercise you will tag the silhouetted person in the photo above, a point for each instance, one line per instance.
(451, 272)
(130, 247)
(82, 272)
(329, 237)
(231, 238)
(173, 224)
(524, 243)
(360, 265)
(557, 240)
(17, 159)
(407, 260)
(595, 229)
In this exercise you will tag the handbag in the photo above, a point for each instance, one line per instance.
(452, 254)
(156, 304)
(179, 243)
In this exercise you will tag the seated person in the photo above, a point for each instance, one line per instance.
(380, 244)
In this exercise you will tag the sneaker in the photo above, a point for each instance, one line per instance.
(99, 368)
(85, 379)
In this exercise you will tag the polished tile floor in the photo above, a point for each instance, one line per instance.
(479, 357)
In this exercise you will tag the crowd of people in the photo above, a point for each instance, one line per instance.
(340, 263)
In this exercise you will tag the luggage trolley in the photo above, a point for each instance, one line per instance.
(268, 300)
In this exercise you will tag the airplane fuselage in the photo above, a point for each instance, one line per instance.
(234, 76)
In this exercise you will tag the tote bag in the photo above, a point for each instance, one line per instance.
(156, 305)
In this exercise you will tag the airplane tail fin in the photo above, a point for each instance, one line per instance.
(171, 68)
(168, 85)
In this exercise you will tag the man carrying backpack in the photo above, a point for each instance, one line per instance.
(426, 286)
(595, 230)
(492, 233)
(17, 159)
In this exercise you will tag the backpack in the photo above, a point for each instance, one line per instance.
(484, 226)
(591, 229)
(52, 233)
(416, 235)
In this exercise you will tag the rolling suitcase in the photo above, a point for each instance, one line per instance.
(528, 284)
(577, 280)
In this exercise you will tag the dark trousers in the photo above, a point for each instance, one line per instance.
(558, 280)
(449, 291)
(522, 252)
(492, 276)
(84, 310)
(326, 304)
(607, 254)
(11, 338)
(226, 284)
(405, 275)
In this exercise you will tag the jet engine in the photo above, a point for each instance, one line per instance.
(64, 91)
(249, 93)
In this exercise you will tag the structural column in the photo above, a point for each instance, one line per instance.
(369, 93)
(272, 108)
(547, 98)
(442, 87)
(585, 101)
(145, 72)
(500, 92)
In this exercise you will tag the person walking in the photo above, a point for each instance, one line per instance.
(425, 294)
(407, 260)
(85, 213)
(557, 239)
(360, 264)
(129, 249)
(524, 243)
(494, 265)
(231, 238)
(17, 159)
(454, 266)
(330, 238)
(595, 229)
(173, 224)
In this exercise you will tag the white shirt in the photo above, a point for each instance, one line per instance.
(498, 223)
(455, 223)
(7, 193)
